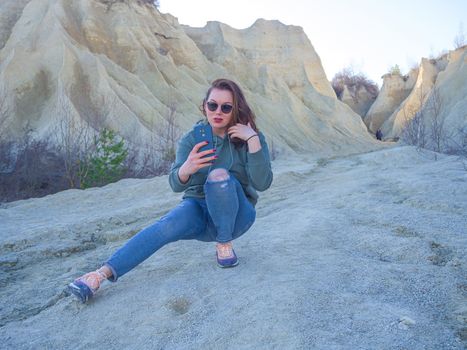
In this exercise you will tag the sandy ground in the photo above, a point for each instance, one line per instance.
(360, 252)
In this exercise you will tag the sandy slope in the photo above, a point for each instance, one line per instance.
(360, 252)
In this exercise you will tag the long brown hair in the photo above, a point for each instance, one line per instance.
(241, 111)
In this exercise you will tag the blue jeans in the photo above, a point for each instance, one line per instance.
(223, 215)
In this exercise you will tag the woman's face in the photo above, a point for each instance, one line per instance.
(218, 109)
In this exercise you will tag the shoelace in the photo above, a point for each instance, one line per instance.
(225, 251)
(93, 279)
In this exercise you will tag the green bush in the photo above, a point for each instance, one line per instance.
(395, 70)
(106, 163)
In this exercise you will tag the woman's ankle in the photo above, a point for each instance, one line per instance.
(105, 271)
(224, 244)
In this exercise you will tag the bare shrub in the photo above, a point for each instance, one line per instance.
(74, 140)
(414, 131)
(74, 146)
(354, 82)
(273, 151)
(438, 134)
(156, 156)
(459, 39)
(32, 168)
(76, 134)
(5, 112)
(458, 143)
(8, 156)
(426, 129)
(168, 134)
(29, 168)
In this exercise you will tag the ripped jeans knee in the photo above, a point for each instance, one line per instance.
(217, 175)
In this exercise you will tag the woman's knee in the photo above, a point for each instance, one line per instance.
(220, 174)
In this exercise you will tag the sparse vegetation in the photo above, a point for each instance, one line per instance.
(155, 156)
(414, 132)
(29, 168)
(78, 156)
(437, 127)
(425, 128)
(106, 163)
(395, 70)
(459, 39)
(459, 147)
(354, 82)
(5, 111)
(273, 151)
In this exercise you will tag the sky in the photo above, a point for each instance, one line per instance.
(370, 36)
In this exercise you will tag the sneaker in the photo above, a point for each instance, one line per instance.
(225, 255)
(87, 285)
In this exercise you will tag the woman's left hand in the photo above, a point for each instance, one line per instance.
(241, 131)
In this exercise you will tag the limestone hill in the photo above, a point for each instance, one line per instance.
(126, 66)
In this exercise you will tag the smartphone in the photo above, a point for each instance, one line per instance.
(204, 133)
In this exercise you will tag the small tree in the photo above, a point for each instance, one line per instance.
(106, 165)
(459, 39)
(395, 70)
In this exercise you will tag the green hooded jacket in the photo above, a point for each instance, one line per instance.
(252, 170)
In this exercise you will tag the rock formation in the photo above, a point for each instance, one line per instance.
(360, 101)
(426, 78)
(87, 64)
(437, 90)
(450, 97)
(395, 89)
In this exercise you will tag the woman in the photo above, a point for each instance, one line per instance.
(220, 187)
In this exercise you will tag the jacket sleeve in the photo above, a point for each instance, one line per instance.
(259, 166)
(184, 148)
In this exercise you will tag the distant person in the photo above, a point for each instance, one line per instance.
(220, 187)
(379, 134)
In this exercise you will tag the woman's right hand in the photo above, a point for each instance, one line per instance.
(194, 162)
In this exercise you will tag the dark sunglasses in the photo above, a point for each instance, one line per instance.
(225, 108)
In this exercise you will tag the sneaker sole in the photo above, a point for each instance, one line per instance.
(82, 294)
(227, 266)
